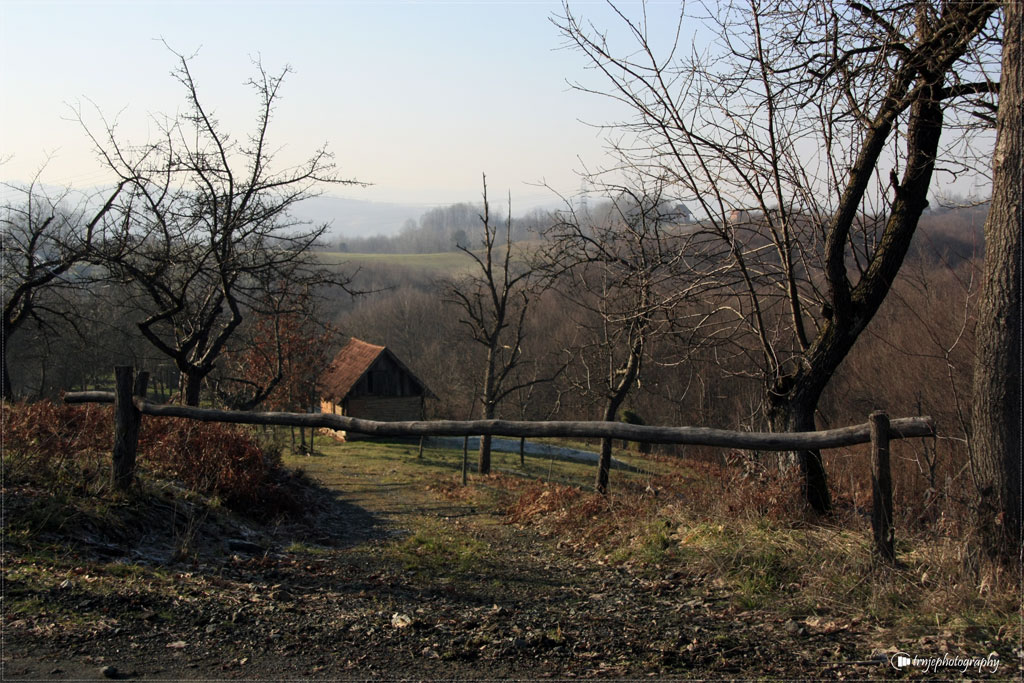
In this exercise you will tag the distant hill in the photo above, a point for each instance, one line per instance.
(951, 235)
(348, 217)
(355, 217)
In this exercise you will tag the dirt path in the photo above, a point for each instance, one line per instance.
(419, 581)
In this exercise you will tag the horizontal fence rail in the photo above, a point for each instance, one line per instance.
(130, 404)
(900, 428)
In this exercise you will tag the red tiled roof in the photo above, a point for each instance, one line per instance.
(348, 367)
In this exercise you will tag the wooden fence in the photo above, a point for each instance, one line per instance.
(129, 399)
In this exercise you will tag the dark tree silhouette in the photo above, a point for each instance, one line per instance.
(997, 402)
(804, 140)
(206, 225)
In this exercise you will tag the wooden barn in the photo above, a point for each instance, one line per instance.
(369, 381)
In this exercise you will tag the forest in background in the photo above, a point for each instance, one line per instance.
(915, 359)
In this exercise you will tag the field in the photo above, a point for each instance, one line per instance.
(391, 568)
(445, 263)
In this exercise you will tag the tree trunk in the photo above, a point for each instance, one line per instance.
(997, 400)
(798, 416)
(7, 390)
(193, 384)
(794, 398)
(484, 460)
(615, 400)
(604, 461)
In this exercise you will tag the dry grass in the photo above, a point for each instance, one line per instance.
(749, 536)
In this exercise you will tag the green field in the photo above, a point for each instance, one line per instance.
(448, 262)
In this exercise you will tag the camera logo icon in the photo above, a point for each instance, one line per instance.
(901, 660)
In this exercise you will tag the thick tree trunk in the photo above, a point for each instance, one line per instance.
(192, 385)
(997, 399)
(798, 416)
(7, 389)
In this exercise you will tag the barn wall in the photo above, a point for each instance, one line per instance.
(385, 409)
(385, 378)
(369, 408)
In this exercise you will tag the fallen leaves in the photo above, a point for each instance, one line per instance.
(401, 620)
(826, 626)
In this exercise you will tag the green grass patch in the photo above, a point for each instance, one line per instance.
(301, 548)
(393, 460)
(442, 553)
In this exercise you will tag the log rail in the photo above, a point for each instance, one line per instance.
(130, 404)
(900, 428)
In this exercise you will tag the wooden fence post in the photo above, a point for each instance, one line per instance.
(465, 458)
(881, 487)
(126, 425)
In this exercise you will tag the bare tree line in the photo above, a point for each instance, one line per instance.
(446, 228)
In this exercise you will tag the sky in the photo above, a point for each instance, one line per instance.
(417, 98)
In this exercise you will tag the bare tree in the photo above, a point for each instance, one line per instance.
(44, 238)
(997, 402)
(627, 271)
(493, 301)
(206, 229)
(805, 138)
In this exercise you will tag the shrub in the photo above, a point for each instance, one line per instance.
(53, 445)
(56, 446)
(216, 459)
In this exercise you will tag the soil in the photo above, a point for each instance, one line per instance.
(398, 580)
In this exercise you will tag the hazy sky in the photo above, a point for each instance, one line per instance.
(416, 97)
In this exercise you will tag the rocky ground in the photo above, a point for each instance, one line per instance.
(398, 579)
